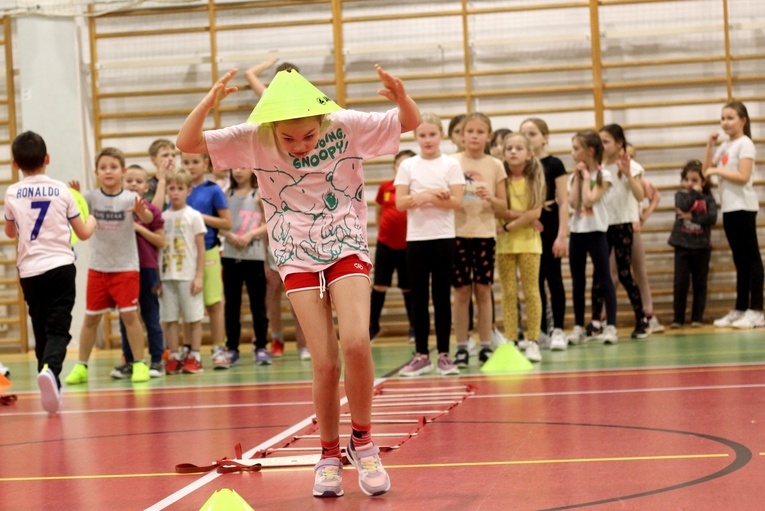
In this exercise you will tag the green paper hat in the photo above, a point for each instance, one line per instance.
(290, 96)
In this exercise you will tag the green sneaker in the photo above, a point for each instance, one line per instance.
(79, 374)
(140, 372)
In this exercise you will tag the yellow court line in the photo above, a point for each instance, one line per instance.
(423, 465)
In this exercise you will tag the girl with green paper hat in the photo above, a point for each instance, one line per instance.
(307, 153)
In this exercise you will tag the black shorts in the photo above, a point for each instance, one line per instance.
(474, 261)
(386, 261)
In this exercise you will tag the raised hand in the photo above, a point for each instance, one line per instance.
(220, 90)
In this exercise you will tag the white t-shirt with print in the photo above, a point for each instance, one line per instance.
(41, 208)
(429, 222)
(315, 208)
(736, 197)
(178, 259)
(594, 218)
(621, 204)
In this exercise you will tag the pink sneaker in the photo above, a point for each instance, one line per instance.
(420, 364)
(445, 365)
(373, 479)
(328, 476)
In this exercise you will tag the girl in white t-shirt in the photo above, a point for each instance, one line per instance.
(733, 163)
(430, 187)
(519, 244)
(587, 186)
(622, 205)
(308, 155)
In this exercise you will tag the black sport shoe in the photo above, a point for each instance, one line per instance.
(641, 329)
(122, 372)
(485, 354)
(461, 358)
(591, 331)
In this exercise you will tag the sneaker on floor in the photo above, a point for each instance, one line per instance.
(461, 358)
(544, 341)
(654, 326)
(675, 325)
(751, 319)
(220, 360)
(420, 364)
(729, 319)
(558, 340)
(233, 358)
(122, 372)
(593, 332)
(485, 354)
(277, 348)
(522, 344)
(532, 352)
(411, 335)
(445, 365)
(610, 335)
(262, 358)
(696, 324)
(642, 329)
(328, 478)
(140, 372)
(78, 374)
(193, 365)
(577, 337)
(173, 365)
(50, 396)
(156, 370)
(497, 339)
(373, 479)
(304, 354)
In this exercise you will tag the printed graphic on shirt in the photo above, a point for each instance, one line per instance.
(700, 208)
(174, 259)
(474, 181)
(334, 222)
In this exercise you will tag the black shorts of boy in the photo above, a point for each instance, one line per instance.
(386, 261)
(474, 261)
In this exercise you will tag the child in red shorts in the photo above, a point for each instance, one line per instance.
(113, 270)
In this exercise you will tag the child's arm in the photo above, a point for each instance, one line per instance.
(709, 152)
(526, 218)
(499, 201)
(408, 112)
(159, 193)
(590, 196)
(220, 222)
(574, 194)
(560, 247)
(636, 186)
(190, 137)
(406, 201)
(156, 238)
(739, 177)
(252, 73)
(141, 211)
(83, 230)
(196, 284)
(653, 196)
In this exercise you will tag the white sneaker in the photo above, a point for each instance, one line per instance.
(577, 336)
(750, 319)
(729, 319)
(532, 352)
(654, 326)
(610, 335)
(304, 354)
(497, 339)
(523, 344)
(558, 341)
(50, 396)
(544, 341)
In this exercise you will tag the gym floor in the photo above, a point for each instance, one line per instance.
(672, 422)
